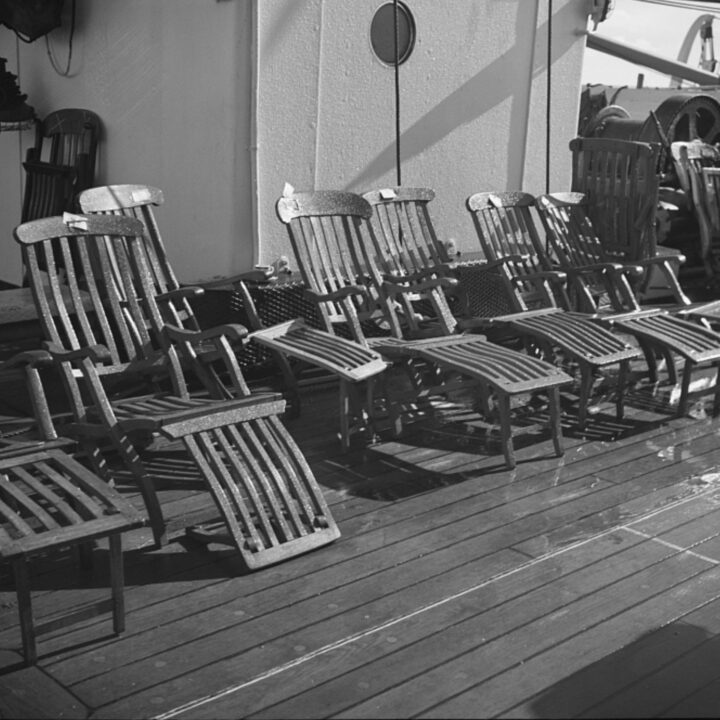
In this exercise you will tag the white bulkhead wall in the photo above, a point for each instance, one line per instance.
(220, 102)
(473, 102)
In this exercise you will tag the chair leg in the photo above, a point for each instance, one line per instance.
(623, 381)
(683, 402)
(344, 415)
(555, 420)
(506, 440)
(716, 395)
(117, 582)
(27, 627)
(586, 381)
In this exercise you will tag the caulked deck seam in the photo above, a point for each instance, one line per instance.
(205, 700)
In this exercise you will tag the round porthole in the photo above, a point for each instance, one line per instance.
(382, 33)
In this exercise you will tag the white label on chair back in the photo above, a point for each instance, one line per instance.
(388, 194)
(141, 195)
(495, 201)
(79, 222)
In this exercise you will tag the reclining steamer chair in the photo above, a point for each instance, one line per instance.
(134, 389)
(602, 286)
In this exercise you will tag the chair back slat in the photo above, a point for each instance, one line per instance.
(138, 201)
(621, 181)
(406, 245)
(81, 276)
(507, 230)
(327, 231)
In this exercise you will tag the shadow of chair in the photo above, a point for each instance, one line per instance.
(141, 392)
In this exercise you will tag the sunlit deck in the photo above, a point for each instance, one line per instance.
(585, 585)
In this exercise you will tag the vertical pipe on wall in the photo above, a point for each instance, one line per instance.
(255, 81)
(397, 92)
(548, 100)
(318, 93)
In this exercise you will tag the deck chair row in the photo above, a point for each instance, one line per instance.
(410, 264)
(391, 247)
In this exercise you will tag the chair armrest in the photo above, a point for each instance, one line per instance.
(609, 267)
(337, 295)
(233, 331)
(398, 284)
(96, 353)
(33, 358)
(181, 293)
(256, 276)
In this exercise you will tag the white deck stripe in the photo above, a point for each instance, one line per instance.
(199, 702)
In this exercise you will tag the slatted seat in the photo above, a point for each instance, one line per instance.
(146, 381)
(602, 287)
(410, 249)
(334, 248)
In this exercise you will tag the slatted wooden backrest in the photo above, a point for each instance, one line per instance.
(326, 229)
(85, 294)
(47, 189)
(621, 181)
(67, 137)
(574, 244)
(506, 228)
(404, 228)
(689, 158)
(406, 246)
(711, 196)
(138, 201)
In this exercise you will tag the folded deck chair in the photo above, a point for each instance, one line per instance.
(330, 233)
(690, 158)
(139, 394)
(49, 501)
(353, 366)
(415, 264)
(601, 287)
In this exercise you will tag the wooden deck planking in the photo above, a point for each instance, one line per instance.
(229, 640)
(423, 519)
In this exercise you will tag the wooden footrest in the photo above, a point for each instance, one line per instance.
(344, 358)
(48, 500)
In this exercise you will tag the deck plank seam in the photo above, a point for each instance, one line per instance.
(672, 546)
(330, 647)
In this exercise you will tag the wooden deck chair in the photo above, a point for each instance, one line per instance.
(68, 138)
(601, 287)
(621, 180)
(331, 235)
(49, 501)
(230, 441)
(508, 235)
(344, 359)
(690, 159)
